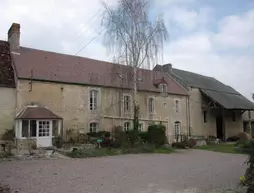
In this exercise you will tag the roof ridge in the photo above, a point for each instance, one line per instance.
(195, 73)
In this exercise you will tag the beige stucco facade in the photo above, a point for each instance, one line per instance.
(71, 102)
(201, 128)
(7, 108)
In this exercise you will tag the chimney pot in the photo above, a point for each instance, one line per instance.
(167, 67)
(14, 37)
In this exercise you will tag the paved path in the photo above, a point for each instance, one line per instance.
(191, 171)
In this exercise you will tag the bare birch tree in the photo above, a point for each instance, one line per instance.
(133, 37)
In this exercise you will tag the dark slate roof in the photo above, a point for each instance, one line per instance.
(223, 94)
(37, 113)
(56, 67)
(205, 82)
(6, 70)
(229, 101)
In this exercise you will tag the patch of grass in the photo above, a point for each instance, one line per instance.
(222, 147)
(86, 153)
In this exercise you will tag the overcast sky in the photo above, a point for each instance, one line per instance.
(210, 37)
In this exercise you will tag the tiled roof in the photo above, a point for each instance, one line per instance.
(50, 66)
(6, 70)
(37, 113)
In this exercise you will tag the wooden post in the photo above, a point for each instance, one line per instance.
(249, 122)
(223, 124)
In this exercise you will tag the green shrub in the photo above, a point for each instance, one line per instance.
(58, 142)
(144, 136)
(8, 135)
(157, 135)
(100, 134)
(5, 154)
(245, 146)
(179, 145)
(191, 143)
(132, 137)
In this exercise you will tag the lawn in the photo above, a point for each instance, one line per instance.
(222, 147)
(82, 153)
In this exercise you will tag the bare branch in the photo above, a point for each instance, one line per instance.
(129, 31)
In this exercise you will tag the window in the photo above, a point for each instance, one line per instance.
(93, 100)
(126, 126)
(94, 127)
(233, 116)
(205, 116)
(29, 128)
(44, 128)
(126, 103)
(25, 126)
(151, 105)
(33, 128)
(177, 128)
(140, 126)
(55, 128)
(177, 105)
(163, 88)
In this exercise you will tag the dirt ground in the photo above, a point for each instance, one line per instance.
(192, 171)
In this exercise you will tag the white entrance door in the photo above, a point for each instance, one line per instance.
(44, 137)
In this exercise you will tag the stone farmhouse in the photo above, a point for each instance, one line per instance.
(44, 94)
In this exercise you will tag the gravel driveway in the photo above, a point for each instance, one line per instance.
(191, 171)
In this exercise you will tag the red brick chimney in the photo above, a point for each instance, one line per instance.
(14, 37)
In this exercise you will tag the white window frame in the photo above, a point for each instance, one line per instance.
(164, 88)
(96, 126)
(95, 105)
(177, 128)
(126, 126)
(177, 106)
(130, 103)
(20, 128)
(141, 126)
(153, 105)
(49, 129)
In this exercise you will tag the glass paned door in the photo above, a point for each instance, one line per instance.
(44, 138)
(44, 128)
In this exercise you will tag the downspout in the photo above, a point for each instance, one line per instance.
(188, 115)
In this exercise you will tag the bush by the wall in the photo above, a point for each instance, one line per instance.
(58, 142)
(144, 136)
(191, 143)
(179, 145)
(100, 134)
(8, 135)
(157, 134)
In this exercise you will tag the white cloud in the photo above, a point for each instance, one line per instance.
(202, 52)
(236, 31)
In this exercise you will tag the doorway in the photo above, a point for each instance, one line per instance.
(219, 126)
(44, 130)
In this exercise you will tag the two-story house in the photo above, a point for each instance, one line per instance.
(55, 92)
(215, 108)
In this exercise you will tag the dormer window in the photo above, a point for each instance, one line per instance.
(163, 88)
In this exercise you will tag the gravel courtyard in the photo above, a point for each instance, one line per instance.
(193, 171)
